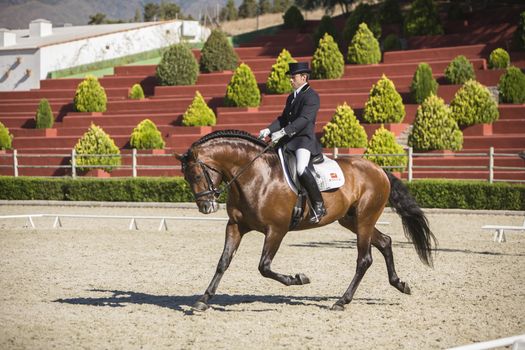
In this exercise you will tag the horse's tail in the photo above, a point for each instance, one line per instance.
(415, 223)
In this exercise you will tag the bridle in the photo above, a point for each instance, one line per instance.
(212, 189)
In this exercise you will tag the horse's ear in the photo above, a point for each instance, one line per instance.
(180, 157)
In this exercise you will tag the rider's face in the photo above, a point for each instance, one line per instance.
(297, 80)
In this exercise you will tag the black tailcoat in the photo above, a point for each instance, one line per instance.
(298, 120)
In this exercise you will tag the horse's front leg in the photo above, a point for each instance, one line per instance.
(232, 241)
(272, 242)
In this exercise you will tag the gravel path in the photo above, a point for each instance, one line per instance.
(96, 284)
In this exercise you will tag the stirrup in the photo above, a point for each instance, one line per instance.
(316, 217)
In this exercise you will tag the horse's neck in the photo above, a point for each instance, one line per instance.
(233, 158)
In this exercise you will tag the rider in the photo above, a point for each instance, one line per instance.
(296, 128)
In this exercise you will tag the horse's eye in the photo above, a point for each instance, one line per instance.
(198, 177)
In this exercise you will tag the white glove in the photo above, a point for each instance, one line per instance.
(264, 133)
(276, 136)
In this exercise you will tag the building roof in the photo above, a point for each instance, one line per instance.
(71, 33)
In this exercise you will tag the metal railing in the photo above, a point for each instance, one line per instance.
(490, 158)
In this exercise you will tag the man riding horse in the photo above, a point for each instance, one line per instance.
(295, 128)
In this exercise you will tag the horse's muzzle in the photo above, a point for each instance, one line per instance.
(208, 207)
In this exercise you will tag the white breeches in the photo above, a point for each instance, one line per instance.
(302, 156)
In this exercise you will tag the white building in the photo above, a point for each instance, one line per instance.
(27, 56)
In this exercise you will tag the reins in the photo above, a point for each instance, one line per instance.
(211, 186)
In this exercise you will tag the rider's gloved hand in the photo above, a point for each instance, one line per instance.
(276, 136)
(264, 133)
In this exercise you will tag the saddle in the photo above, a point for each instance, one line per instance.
(326, 171)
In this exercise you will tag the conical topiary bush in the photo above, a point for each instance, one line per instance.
(499, 59)
(363, 13)
(459, 70)
(511, 86)
(293, 18)
(90, 96)
(198, 113)
(242, 90)
(44, 115)
(136, 92)
(177, 66)
(6, 139)
(344, 130)
(217, 54)
(383, 150)
(423, 19)
(364, 48)
(146, 136)
(278, 81)
(96, 142)
(325, 26)
(423, 83)
(434, 128)
(328, 61)
(384, 104)
(473, 104)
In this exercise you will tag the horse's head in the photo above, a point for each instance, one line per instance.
(203, 179)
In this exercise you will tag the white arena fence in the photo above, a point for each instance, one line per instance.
(517, 342)
(135, 166)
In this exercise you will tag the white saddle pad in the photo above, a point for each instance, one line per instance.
(328, 174)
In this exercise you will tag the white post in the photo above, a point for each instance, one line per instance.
(336, 151)
(134, 162)
(410, 163)
(491, 165)
(15, 163)
(73, 163)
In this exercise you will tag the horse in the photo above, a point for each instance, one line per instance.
(260, 199)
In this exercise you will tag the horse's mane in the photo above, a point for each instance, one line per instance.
(229, 134)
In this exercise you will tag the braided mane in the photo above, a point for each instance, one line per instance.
(229, 134)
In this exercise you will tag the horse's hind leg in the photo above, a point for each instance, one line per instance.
(272, 242)
(384, 244)
(232, 241)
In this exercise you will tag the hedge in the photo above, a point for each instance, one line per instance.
(428, 193)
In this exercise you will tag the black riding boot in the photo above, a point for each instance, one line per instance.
(309, 183)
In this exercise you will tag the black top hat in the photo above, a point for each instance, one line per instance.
(299, 67)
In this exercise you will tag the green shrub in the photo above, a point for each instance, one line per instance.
(90, 96)
(44, 115)
(499, 58)
(391, 12)
(434, 127)
(6, 138)
(278, 81)
(344, 130)
(423, 83)
(96, 141)
(384, 142)
(423, 19)
(362, 14)
(511, 86)
(146, 136)
(384, 104)
(468, 194)
(136, 92)
(242, 90)
(459, 70)
(198, 113)
(455, 11)
(178, 66)
(217, 54)
(518, 40)
(473, 104)
(328, 61)
(325, 26)
(364, 48)
(391, 43)
(293, 18)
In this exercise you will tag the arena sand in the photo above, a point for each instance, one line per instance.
(97, 285)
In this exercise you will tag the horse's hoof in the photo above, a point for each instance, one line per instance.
(199, 306)
(406, 289)
(337, 307)
(302, 278)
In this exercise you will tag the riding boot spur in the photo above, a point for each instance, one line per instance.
(308, 181)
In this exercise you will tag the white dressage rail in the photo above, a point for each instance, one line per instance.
(499, 234)
(517, 342)
(133, 219)
(132, 224)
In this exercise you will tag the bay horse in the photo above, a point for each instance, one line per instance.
(260, 199)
